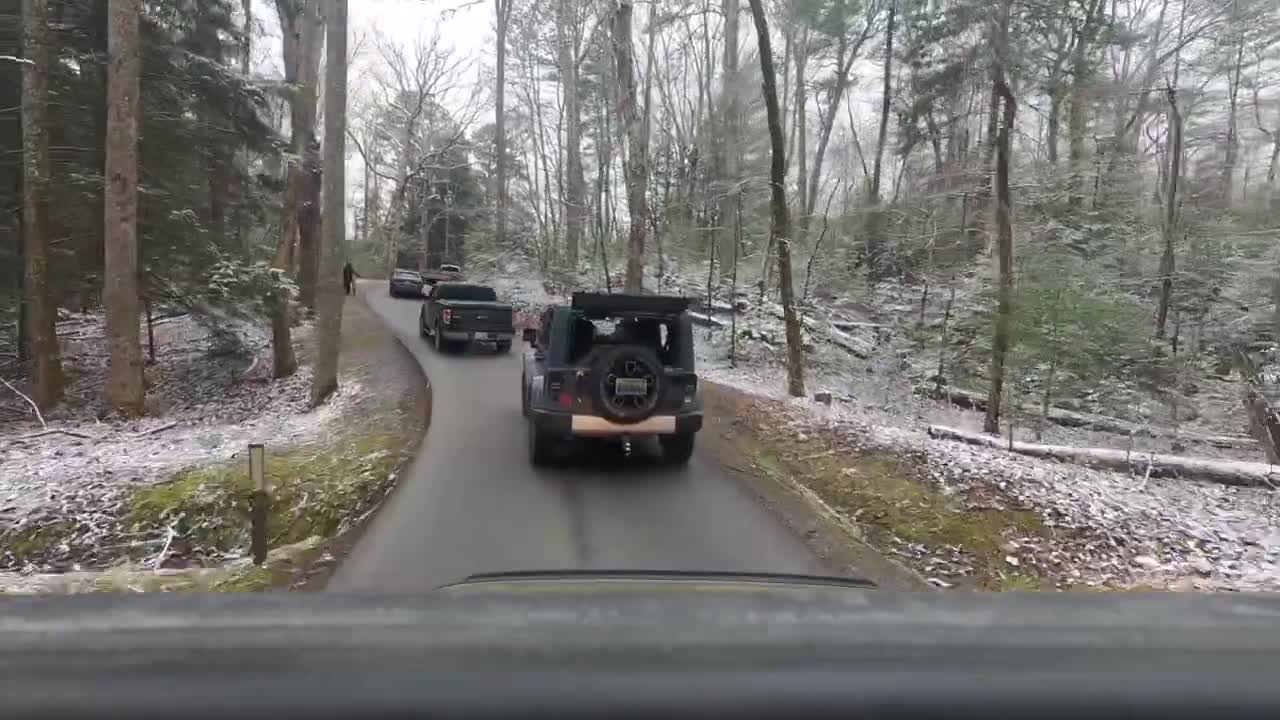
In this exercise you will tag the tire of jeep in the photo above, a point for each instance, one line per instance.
(633, 362)
(677, 449)
(503, 348)
(439, 342)
(541, 447)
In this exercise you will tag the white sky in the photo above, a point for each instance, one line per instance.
(465, 26)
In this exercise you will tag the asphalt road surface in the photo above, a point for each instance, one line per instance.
(471, 502)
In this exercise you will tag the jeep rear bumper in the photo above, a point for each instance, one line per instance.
(566, 424)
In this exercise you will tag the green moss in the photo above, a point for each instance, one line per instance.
(885, 499)
(248, 579)
(33, 541)
(315, 491)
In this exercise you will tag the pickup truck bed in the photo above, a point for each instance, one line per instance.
(450, 317)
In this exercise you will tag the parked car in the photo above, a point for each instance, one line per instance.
(634, 381)
(405, 283)
(458, 314)
(445, 273)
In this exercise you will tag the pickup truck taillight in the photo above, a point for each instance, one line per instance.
(447, 316)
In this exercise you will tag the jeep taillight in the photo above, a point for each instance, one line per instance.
(690, 390)
(447, 316)
(560, 387)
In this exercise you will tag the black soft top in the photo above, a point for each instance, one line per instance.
(602, 305)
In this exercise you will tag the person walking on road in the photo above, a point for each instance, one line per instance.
(349, 276)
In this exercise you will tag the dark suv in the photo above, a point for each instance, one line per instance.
(618, 366)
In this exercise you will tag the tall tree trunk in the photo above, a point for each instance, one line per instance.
(875, 216)
(218, 155)
(329, 291)
(1273, 191)
(801, 152)
(1170, 229)
(502, 10)
(1054, 125)
(308, 259)
(1232, 149)
(977, 229)
(1082, 86)
(100, 20)
(242, 158)
(575, 200)
(846, 54)
(300, 47)
(1000, 340)
(1077, 123)
(802, 123)
(41, 313)
(125, 390)
(731, 150)
(637, 157)
(780, 228)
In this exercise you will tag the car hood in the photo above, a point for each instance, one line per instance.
(578, 614)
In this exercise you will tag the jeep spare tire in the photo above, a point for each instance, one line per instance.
(627, 383)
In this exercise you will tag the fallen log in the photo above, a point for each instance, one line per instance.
(51, 431)
(1226, 472)
(970, 400)
(849, 325)
(849, 344)
(706, 320)
(157, 430)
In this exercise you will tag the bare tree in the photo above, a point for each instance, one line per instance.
(411, 83)
(125, 389)
(243, 160)
(1169, 229)
(502, 12)
(575, 200)
(1082, 83)
(46, 360)
(731, 150)
(302, 30)
(1001, 340)
(780, 227)
(637, 158)
(874, 227)
(848, 48)
(330, 296)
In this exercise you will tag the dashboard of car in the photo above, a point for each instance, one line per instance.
(626, 647)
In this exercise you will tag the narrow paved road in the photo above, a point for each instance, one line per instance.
(472, 503)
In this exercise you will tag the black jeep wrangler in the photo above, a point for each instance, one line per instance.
(617, 366)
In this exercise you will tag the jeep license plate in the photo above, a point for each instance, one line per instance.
(631, 387)
(482, 336)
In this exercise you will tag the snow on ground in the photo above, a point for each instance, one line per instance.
(1178, 533)
(204, 409)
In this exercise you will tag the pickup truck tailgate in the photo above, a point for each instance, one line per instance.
(481, 318)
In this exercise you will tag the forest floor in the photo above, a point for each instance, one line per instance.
(961, 515)
(88, 501)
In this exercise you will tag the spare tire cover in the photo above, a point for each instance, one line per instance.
(627, 383)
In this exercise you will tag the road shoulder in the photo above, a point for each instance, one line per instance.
(325, 488)
(738, 435)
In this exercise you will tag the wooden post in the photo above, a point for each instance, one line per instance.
(260, 502)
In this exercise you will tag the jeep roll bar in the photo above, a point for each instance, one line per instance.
(601, 305)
